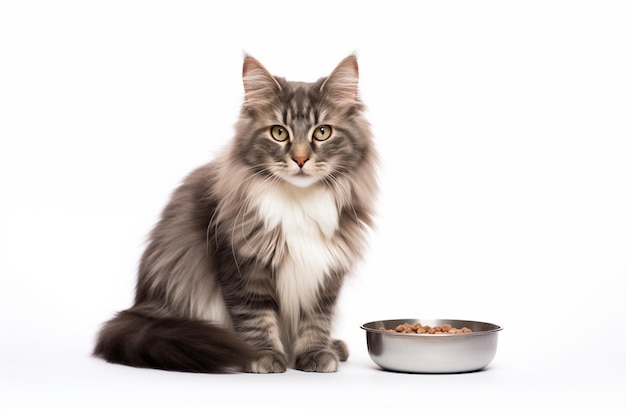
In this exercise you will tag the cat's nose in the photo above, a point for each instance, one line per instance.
(300, 160)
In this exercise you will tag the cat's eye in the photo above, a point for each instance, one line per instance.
(279, 133)
(322, 133)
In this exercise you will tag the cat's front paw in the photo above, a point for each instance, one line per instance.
(324, 360)
(268, 362)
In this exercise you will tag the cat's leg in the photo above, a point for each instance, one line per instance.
(313, 348)
(254, 312)
(263, 333)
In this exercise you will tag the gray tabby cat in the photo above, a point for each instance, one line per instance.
(243, 270)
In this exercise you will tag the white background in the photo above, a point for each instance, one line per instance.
(502, 133)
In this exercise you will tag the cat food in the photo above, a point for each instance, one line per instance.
(419, 329)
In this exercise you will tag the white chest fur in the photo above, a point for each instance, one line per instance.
(308, 219)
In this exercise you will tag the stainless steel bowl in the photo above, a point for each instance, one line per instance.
(432, 353)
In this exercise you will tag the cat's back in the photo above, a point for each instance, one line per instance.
(194, 201)
(181, 230)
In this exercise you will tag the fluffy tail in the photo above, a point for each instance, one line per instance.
(173, 344)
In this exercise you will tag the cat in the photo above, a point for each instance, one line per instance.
(244, 268)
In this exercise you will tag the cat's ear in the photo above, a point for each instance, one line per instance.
(259, 85)
(342, 85)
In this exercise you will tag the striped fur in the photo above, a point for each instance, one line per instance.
(244, 268)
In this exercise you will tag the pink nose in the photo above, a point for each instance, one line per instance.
(300, 160)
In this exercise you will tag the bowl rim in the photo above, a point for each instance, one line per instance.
(496, 328)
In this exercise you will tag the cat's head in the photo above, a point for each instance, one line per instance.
(302, 133)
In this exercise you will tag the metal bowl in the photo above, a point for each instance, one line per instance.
(432, 353)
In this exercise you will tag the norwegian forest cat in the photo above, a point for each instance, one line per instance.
(244, 268)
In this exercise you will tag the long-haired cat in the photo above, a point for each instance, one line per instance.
(244, 268)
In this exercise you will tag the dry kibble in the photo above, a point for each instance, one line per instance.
(419, 329)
